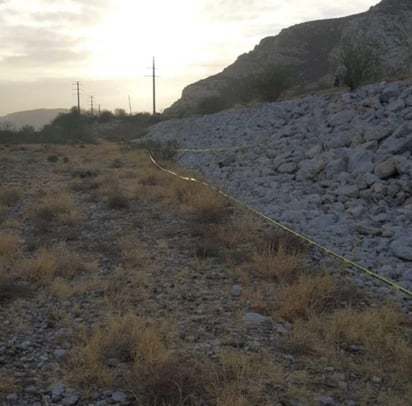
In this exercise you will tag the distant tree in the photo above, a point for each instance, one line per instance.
(106, 116)
(120, 113)
(274, 81)
(358, 61)
(27, 130)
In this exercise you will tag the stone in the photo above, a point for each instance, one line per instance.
(309, 168)
(342, 117)
(347, 190)
(59, 353)
(236, 290)
(361, 161)
(325, 400)
(377, 133)
(119, 397)
(70, 400)
(12, 397)
(57, 390)
(288, 167)
(402, 248)
(385, 169)
(254, 319)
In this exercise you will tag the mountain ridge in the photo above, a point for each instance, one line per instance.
(311, 49)
(37, 118)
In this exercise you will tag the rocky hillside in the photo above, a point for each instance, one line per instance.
(310, 50)
(337, 168)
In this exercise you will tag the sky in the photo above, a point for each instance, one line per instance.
(108, 46)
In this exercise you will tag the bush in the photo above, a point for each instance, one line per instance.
(274, 81)
(358, 62)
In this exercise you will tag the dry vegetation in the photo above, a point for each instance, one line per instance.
(137, 268)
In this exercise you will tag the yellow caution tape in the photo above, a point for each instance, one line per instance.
(289, 230)
(215, 149)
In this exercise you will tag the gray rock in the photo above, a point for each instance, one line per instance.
(236, 290)
(343, 117)
(386, 168)
(119, 397)
(254, 319)
(325, 400)
(71, 400)
(288, 167)
(402, 248)
(309, 168)
(347, 190)
(57, 390)
(377, 133)
(59, 353)
(12, 397)
(396, 105)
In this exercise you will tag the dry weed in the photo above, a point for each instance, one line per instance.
(202, 203)
(237, 378)
(310, 294)
(370, 340)
(49, 263)
(279, 266)
(9, 195)
(8, 246)
(53, 207)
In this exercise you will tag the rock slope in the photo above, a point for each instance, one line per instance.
(310, 49)
(337, 168)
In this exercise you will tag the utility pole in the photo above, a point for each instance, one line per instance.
(130, 106)
(99, 109)
(153, 75)
(91, 104)
(77, 90)
(78, 96)
(154, 85)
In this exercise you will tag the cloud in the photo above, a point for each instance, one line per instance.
(43, 33)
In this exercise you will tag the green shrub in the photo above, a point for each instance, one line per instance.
(359, 61)
(274, 81)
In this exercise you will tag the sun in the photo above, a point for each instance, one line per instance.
(124, 44)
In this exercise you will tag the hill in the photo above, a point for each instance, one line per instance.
(310, 50)
(36, 118)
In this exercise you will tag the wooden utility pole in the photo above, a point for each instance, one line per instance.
(153, 75)
(154, 85)
(78, 96)
(91, 104)
(130, 106)
(77, 90)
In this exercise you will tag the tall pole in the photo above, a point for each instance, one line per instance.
(91, 104)
(154, 86)
(78, 96)
(130, 106)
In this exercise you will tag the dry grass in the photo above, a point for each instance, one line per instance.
(57, 207)
(310, 294)
(8, 246)
(369, 340)
(203, 204)
(244, 379)
(9, 195)
(123, 338)
(8, 384)
(160, 376)
(49, 263)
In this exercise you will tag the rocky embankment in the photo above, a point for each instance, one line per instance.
(337, 168)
